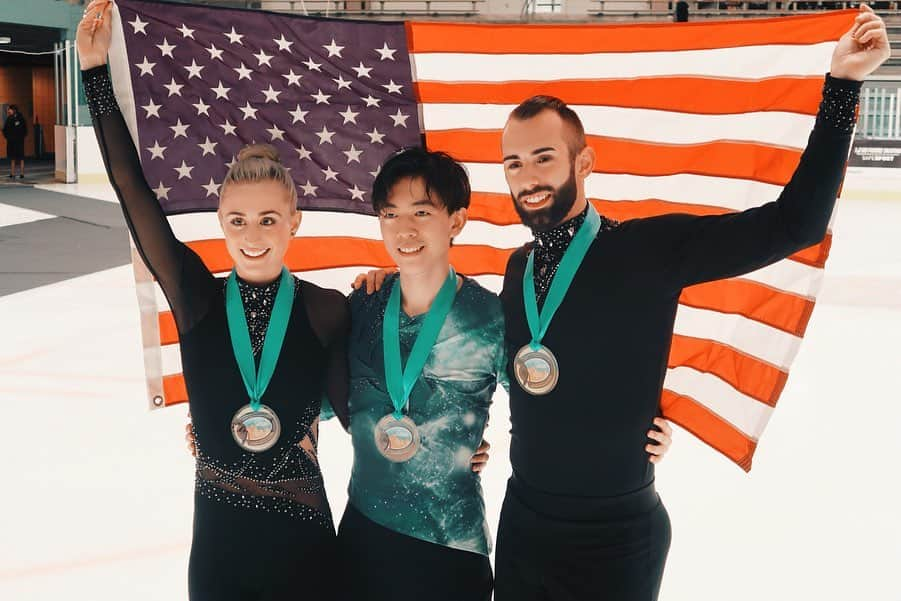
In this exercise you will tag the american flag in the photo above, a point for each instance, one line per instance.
(702, 118)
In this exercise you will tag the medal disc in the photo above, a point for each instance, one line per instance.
(256, 431)
(397, 439)
(536, 371)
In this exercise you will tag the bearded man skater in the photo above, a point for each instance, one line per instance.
(589, 308)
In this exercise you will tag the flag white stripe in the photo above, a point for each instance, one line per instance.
(748, 62)
(764, 342)
(205, 226)
(746, 414)
(775, 128)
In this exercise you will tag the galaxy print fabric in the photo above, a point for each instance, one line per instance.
(435, 496)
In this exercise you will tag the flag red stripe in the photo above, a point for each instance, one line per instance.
(785, 311)
(326, 252)
(174, 389)
(741, 160)
(709, 427)
(495, 38)
(699, 95)
(747, 374)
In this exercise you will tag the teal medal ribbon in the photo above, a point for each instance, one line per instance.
(255, 426)
(396, 435)
(535, 366)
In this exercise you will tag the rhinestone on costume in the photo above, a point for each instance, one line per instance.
(839, 105)
(99, 91)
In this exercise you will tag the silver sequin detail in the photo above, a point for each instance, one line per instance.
(839, 104)
(99, 91)
(258, 301)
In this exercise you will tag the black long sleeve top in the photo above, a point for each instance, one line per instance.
(613, 331)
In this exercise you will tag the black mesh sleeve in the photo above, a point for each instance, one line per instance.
(187, 283)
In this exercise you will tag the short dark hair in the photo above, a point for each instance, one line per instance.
(442, 175)
(531, 107)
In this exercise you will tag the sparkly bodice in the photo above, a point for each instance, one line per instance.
(286, 478)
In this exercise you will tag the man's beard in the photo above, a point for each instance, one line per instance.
(562, 201)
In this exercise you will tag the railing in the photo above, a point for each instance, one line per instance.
(880, 113)
(732, 8)
(358, 7)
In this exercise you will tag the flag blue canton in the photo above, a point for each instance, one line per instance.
(334, 97)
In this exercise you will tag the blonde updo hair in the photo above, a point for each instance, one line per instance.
(259, 163)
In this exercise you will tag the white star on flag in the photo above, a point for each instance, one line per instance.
(215, 53)
(386, 53)
(271, 94)
(329, 173)
(349, 116)
(153, 110)
(228, 128)
(283, 44)
(334, 49)
(166, 48)
(162, 192)
(325, 136)
(356, 193)
(194, 69)
(139, 25)
(342, 83)
(303, 153)
(298, 115)
(392, 87)
(250, 112)
(353, 155)
(312, 65)
(202, 107)
(185, 33)
(375, 137)
(234, 37)
(174, 88)
(293, 78)
(179, 129)
(208, 147)
(320, 98)
(363, 70)
(243, 72)
(221, 91)
(309, 189)
(263, 58)
(212, 188)
(371, 101)
(156, 151)
(399, 119)
(276, 133)
(146, 67)
(184, 171)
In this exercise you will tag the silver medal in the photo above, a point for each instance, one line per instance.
(536, 371)
(256, 431)
(397, 439)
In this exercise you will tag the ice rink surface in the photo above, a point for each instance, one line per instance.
(96, 499)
